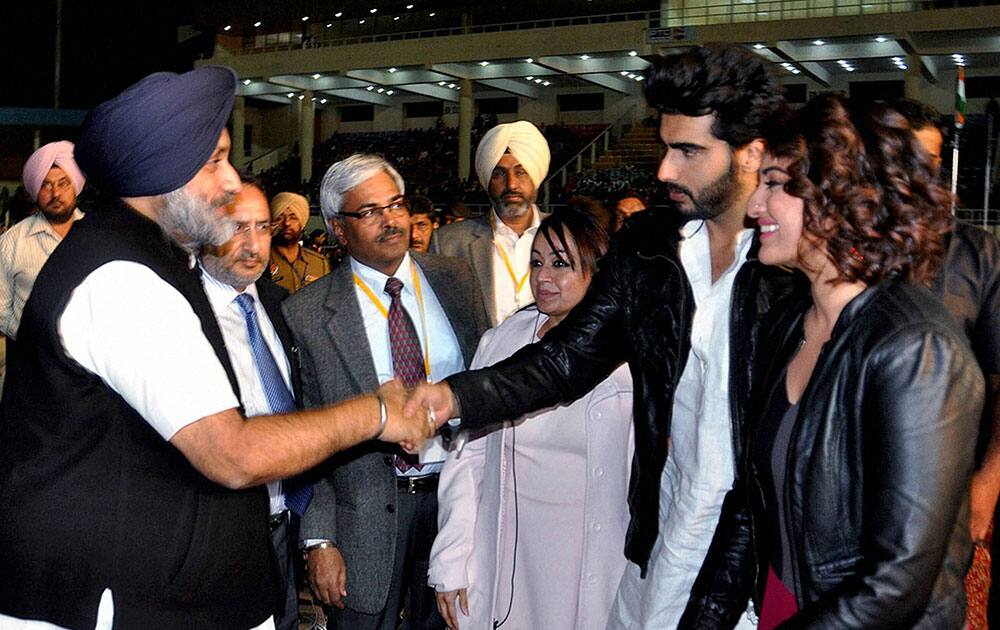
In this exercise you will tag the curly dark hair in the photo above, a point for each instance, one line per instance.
(919, 115)
(591, 237)
(870, 193)
(732, 82)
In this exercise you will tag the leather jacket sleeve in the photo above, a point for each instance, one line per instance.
(920, 396)
(726, 580)
(567, 363)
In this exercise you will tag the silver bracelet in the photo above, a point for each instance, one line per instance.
(383, 417)
(324, 544)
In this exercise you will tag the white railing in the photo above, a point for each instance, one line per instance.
(589, 153)
(679, 14)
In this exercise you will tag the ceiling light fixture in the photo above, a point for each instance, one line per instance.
(247, 81)
(301, 96)
(256, 24)
(529, 78)
(432, 14)
(881, 39)
(451, 85)
(380, 90)
(530, 60)
(585, 57)
(392, 69)
(409, 6)
(546, 83)
(338, 14)
(373, 11)
(633, 53)
(322, 101)
(484, 63)
(818, 42)
(329, 24)
(291, 94)
(395, 18)
(759, 46)
(538, 80)
(442, 83)
(388, 92)
(624, 73)
(305, 18)
(361, 21)
(317, 76)
(227, 27)
(370, 88)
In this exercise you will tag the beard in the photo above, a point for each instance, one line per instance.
(223, 271)
(192, 222)
(511, 210)
(712, 200)
(59, 215)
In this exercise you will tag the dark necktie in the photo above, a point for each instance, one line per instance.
(279, 399)
(407, 359)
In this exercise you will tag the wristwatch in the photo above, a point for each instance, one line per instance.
(309, 545)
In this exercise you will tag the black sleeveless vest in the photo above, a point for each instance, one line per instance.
(92, 497)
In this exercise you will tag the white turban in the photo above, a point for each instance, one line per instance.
(524, 141)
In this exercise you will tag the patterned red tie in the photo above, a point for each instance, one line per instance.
(407, 359)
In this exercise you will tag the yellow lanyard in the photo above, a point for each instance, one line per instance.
(518, 284)
(385, 312)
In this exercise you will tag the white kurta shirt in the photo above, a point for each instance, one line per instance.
(700, 465)
(507, 297)
(137, 333)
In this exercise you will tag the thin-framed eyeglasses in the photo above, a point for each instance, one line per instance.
(260, 228)
(395, 209)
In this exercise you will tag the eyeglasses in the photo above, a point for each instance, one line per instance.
(259, 229)
(59, 186)
(395, 209)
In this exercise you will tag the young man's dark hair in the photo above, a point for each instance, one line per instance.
(733, 82)
(421, 205)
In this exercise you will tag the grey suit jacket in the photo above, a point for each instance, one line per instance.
(472, 241)
(355, 491)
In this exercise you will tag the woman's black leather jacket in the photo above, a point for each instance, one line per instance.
(878, 471)
(639, 309)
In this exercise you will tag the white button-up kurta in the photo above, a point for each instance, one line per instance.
(700, 465)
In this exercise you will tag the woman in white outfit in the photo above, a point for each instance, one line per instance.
(532, 518)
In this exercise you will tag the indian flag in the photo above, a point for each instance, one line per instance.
(960, 99)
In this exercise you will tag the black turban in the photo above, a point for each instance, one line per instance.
(156, 135)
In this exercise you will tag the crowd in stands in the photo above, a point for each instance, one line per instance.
(426, 158)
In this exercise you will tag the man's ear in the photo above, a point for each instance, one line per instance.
(338, 231)
(748, 157)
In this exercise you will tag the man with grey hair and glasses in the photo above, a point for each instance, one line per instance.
(388, 313)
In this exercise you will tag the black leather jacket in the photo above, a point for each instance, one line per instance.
(639, 309)
(877, 479)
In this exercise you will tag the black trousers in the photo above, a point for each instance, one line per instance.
(285, 537)
(408, 593)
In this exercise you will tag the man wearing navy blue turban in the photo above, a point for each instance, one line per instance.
(133, 488)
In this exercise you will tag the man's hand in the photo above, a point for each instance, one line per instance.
(446, 606)
(327, 576)
(436, 397)
(410, 429)
(985, 488)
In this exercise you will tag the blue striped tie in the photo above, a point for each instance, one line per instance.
(279, 399)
